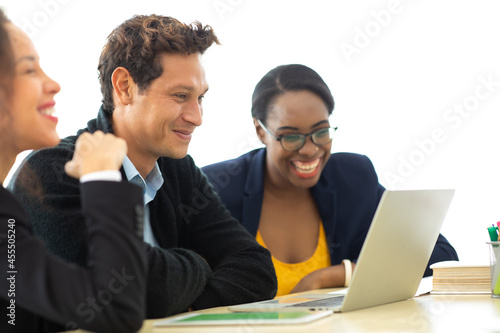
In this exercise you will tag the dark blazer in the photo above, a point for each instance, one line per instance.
(347, 195)
(106, 296)
(196, 264)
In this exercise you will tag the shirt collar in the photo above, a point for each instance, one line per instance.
(152, 183)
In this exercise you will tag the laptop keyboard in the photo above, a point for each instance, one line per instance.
(324, 302)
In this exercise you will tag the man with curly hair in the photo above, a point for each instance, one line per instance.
(153, 84)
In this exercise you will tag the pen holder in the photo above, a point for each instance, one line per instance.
(495, 268)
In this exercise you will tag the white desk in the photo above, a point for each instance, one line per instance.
(427, 313)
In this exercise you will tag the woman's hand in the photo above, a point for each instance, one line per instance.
(311, 281)
(96, 152)
(328, 277)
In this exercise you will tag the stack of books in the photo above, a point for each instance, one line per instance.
(451, 277)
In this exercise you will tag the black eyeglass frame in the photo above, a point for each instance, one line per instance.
(304, 136)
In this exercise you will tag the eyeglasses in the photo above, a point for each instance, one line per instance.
(291, 142)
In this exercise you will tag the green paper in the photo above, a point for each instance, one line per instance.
(245, 316)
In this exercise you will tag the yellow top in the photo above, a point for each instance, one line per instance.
(290, 274)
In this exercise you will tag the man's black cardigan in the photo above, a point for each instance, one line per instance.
(205, 259)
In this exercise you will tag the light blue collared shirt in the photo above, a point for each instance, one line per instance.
(150, 186)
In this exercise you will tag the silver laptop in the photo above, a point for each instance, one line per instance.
(393, 258)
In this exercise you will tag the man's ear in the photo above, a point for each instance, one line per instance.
(259, 130)
(123, 84)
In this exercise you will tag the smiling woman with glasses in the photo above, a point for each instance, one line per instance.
(311, 209)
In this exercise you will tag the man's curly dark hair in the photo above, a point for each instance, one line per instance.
(137, 43)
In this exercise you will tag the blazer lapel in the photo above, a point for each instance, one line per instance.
(326, 201)
(254, 192)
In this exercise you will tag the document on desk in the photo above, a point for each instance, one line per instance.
(247, 318)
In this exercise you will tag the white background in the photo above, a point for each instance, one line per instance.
(399, 72)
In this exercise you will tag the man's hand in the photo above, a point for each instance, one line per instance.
(96, 152)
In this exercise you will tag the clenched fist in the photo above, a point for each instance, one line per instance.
(96, 152)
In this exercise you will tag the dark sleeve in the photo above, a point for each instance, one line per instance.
(443, 251)
(177, 276)
(52, 201)
(108, 294)
(242, 270)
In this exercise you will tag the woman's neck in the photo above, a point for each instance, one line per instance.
(285, 193)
